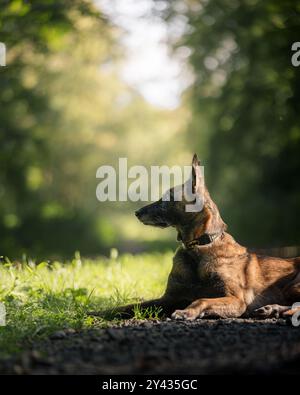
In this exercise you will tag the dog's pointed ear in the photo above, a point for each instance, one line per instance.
(196, 173)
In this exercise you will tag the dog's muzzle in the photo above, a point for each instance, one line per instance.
(150, 215)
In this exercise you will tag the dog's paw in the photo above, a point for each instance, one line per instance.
(270, 311)
(186, 314)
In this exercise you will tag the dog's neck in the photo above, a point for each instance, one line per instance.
(220, 245)
(203, 229)
(203, 240)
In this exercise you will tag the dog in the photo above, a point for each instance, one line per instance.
(213, 275)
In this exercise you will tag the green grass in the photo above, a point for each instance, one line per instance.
(41, 298)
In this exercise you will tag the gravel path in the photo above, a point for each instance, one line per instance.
(202, 346)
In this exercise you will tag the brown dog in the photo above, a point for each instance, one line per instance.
(212, 275)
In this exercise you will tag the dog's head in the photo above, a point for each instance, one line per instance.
(190, 224)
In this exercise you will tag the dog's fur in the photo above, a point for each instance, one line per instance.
(212, 275)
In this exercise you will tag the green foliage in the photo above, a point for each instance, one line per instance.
(41, 298)
(36, 35)
(64, 111)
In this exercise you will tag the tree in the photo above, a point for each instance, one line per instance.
(40, 37)
(64, 112)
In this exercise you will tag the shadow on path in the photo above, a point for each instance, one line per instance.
(204, 346)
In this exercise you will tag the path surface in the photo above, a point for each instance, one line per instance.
(203, 346)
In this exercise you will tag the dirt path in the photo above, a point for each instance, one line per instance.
(203, 346)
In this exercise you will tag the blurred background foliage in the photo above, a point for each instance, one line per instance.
(65, 111)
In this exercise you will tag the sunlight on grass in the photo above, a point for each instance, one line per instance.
(43, 297)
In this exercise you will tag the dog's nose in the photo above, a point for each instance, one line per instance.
(139, 213)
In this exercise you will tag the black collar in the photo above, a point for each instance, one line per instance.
(205, 239)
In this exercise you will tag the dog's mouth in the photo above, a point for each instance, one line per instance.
(162, 225)
(156, 224)
(153, 220)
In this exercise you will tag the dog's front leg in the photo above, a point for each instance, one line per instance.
(162, 305)
(165, 306)
(226, 307)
